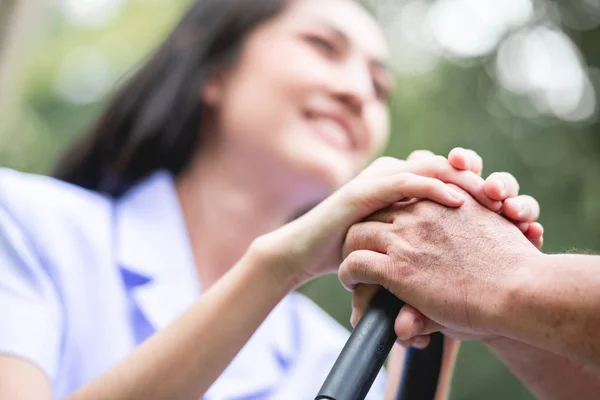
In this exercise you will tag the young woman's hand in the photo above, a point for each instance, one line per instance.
(522, 210)
(312, 244)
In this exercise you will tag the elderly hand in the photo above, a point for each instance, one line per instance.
(399, 239)
(311, 245)
(453, 265)
(523, 210)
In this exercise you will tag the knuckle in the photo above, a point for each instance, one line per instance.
(355, 263)
(529, 199)
(440, 166)
(365, 236)
(404, 178)
(475, 156)
(424, 207)
(495, 175)
(507, 177)
(351, 241)
(440, 160)
(421, 153)
(385, 161)
(472, 152)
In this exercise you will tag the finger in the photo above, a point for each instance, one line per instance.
(420, 154)
(535, 234)
(433, 167)
(368, 235)
(363, 197)
(361, 298)
(521, 208)
(439, 168)
(363, 266)
(382, 192)
(535, 230)
(538, 243)
(467, 160)
(420, 342)
(501, 185)
(411, 323)
(384, 166)
(389, 214)
(523, 226)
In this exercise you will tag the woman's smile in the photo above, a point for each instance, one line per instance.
(334, 129)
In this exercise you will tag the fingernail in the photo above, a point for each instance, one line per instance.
(466, 158)
(520, 210)
(502, 188)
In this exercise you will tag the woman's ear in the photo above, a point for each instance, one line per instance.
(211, 93)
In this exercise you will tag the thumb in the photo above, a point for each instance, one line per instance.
(364, 197)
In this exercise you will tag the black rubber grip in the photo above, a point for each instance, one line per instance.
(361, 359)
(365, 351)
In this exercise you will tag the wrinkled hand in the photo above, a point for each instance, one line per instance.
(411, 325)
(522, 210)
(453, 265)
(311, 245)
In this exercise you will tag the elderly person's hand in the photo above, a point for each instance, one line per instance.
(453, 265)
(522, 210)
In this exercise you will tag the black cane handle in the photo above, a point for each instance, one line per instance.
(366, 350)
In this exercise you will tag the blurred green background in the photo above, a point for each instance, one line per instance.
(515, 80)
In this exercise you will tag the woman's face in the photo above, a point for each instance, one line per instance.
(308, 95)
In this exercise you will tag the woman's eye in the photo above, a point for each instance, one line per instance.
(382, 92)
(323, 44)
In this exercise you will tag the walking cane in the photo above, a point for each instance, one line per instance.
(367, 348)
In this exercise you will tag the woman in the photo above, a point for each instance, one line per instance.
(186, 185)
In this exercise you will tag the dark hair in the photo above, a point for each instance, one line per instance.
(153, 122)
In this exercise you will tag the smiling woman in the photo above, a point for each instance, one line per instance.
(163, 256)
(331, 91)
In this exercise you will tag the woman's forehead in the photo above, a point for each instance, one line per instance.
(347, 17)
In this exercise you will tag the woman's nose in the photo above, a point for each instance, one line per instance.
(353, 86)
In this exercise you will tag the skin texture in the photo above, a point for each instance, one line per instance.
(329, 96)
(473, 275)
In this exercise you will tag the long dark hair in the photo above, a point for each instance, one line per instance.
(153, 121)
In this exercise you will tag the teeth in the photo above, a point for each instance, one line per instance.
(334, 132)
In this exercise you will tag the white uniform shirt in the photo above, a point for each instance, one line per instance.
(85, 278)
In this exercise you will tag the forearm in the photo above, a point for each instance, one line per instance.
(548, 375)
(183, 360)
(555, 305)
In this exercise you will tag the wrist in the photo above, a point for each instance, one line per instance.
(269, 253)
(510, 295)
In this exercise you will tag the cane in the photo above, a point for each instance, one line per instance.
(367, 348)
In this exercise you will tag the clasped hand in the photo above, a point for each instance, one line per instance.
(430, 229)
(454, 266)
